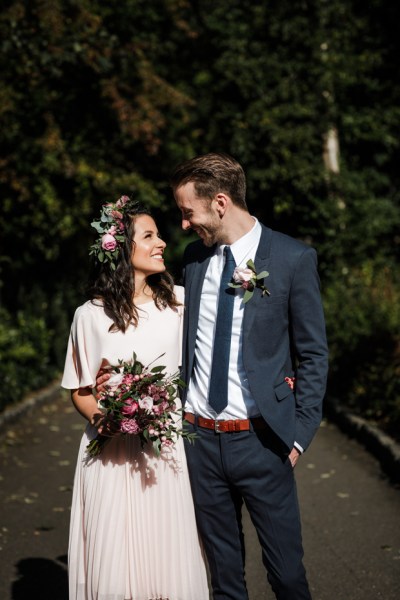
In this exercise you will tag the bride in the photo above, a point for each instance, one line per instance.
(132, 533)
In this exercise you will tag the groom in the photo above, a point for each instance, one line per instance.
(256, 374)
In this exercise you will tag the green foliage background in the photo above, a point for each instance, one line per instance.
(99, 99)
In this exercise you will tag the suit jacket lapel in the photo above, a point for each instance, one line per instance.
(261, 263)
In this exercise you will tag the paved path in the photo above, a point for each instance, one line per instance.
(351, 514)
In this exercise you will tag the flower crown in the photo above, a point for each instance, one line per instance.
(111, 229)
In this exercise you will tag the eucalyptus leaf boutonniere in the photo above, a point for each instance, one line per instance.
(248, 279)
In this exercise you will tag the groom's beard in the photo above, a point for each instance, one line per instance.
(208, 239)
(210, 234)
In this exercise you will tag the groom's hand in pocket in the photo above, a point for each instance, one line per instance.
(293, 457)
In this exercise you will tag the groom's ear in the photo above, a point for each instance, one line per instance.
(221, 202)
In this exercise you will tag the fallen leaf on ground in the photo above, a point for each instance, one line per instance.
(343, 495)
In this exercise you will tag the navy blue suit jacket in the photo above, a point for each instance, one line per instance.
(283, 334)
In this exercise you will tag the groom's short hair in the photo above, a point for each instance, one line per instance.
(211, 174)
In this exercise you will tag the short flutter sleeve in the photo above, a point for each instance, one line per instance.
(83, 357)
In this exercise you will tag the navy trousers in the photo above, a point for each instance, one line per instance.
(223, 469)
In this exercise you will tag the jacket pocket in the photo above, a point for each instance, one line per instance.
(282, 391)
(275, 299)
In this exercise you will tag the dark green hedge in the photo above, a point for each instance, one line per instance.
(99, 99)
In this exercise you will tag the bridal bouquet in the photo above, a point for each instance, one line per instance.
(143, 404)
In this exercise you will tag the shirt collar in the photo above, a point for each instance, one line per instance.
(244, 245)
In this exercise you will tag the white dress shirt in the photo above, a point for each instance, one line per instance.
(240, 402)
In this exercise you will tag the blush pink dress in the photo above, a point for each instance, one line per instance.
(133, 533)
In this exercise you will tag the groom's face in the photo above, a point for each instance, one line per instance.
(199, 214)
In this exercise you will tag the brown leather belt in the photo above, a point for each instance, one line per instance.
(226, 426)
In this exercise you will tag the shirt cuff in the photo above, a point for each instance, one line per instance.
(298, 447)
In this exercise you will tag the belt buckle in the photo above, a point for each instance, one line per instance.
(216, 427)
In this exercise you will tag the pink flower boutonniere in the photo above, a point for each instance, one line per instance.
(249, 280)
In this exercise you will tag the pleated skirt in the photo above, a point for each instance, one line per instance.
(133, 534)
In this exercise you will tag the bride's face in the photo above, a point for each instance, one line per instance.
(148, 247)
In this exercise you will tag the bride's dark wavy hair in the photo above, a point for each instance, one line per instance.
(115, 288)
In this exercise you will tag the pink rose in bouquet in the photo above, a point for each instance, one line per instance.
(129, 426)
(130, 407)
(146, 402)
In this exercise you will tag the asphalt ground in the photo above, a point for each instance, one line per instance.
(350, 512)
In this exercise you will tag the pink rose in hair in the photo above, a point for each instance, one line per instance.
(122, 201)
(116, 214)
(112, 230)
(108, 242)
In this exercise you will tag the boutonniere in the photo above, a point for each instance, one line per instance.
(249, 280)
